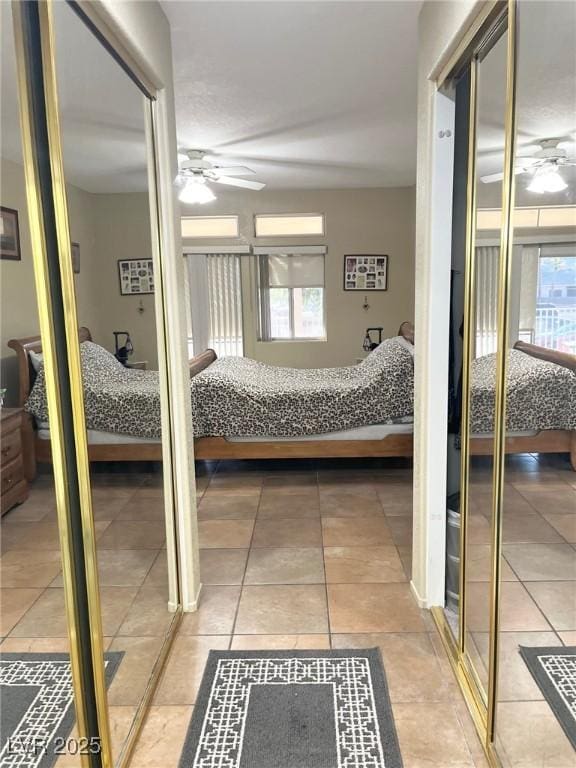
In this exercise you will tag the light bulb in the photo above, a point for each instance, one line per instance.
(195, 191)
(546, 180)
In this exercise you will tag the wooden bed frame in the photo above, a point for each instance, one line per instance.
(395, 445)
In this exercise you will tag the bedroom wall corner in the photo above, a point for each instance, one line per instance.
(441, 26)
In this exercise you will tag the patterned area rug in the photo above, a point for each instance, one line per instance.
(554, 669)
(292, 709)
(36, 707)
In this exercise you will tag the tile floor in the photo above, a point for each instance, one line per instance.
(538, 597)
(303, 555)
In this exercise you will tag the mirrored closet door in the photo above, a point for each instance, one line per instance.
(509, 622)
(97, 384)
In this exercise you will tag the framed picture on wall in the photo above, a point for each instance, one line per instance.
(9, 234)
(136, 276)
(75, 248)
(366, 272)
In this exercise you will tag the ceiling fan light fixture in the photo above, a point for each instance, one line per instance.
(196, 192)
(545, 180)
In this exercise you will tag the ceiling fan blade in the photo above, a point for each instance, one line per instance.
(256, 185)
(233, 170)
(491, 177)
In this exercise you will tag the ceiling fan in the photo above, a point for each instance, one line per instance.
(544, 165)
(196, 171)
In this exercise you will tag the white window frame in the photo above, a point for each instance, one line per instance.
(261, 254)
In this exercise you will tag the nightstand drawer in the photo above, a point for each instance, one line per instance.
(10, 447)
(12, 474)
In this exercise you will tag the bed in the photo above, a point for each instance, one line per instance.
(388, 438)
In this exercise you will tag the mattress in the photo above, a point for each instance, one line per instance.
(98, 437)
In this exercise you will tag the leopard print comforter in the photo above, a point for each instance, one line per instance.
(238, 397)
(540, 395)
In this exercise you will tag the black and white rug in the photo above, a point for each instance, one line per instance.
(36, 707)
(554, 670)
(292, 709)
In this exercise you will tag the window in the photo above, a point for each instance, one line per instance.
(215, 303)
(289, 224)
(556, 298)
(291, 292)
(209, 226)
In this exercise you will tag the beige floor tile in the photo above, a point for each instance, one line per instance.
(148, 615)
(14, 603)
(121, 567)
(162, 738)
(519, 613)
(238, 484)
(290, 482)
(282, 609)
(568, 638)
(431, 736)
(143, 508)
(354, 565)
(557, 601)
(38, 504)
(350, 504)
(158, 573)
(215, 614)
(350, 532)
(108, 508)
(479, 564)
(542, 562)
(133, 534)
(228, 507)
(185, 666)
(35, 536)
(280, 642)
(478, 529)
(515, 682)
(35, 645)
(559, 502)
(470, 732)
(289, 505)
(133, 674)
(410, 663)
(26, 568)
(397, 500)
(359, 608)
(528, 528)
(225, 534)
(222, 566)
(532, 737)
(287, 533)
(401, 529)
(564, 524)
(285, 566)
(405, 553)
(121, 719)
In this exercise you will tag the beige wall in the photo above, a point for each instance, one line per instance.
(108, 228)
(357, 221)
(18, 314)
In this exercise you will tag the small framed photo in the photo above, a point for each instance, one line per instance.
(365, 272)
(75, 248)
(136, 276)
(9, 234)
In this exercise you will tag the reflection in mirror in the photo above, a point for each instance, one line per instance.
(32, 612)
(104, 152)
(490, 139)
(538, 602)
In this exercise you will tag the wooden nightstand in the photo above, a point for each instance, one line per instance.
(12, 480)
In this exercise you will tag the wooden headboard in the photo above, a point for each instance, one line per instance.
(26, 372)
(565, 359)
(199, 362)
(407, 331)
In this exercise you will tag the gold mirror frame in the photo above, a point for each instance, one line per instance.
(484, 711)
(48, 221)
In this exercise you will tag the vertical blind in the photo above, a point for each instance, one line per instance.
(216, 303)
(486, 296)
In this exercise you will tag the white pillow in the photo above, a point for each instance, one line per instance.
(36, 359)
